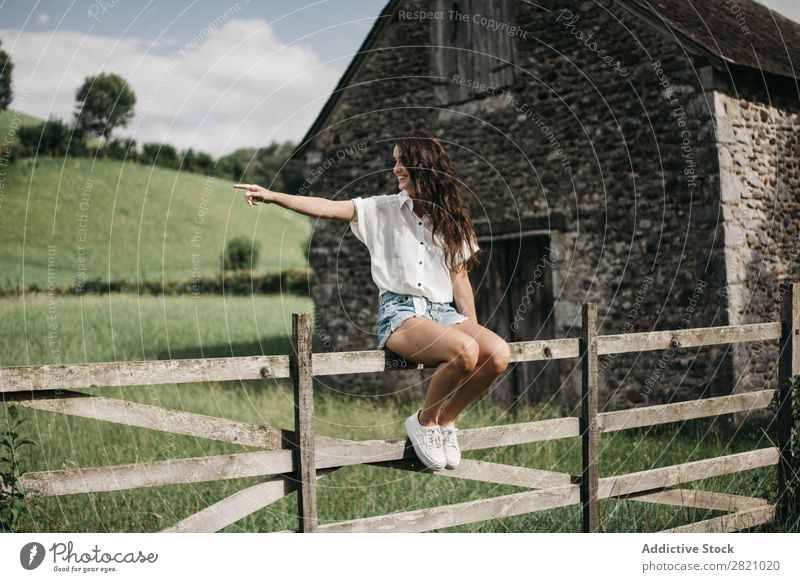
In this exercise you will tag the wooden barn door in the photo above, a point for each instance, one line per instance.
(514, 298)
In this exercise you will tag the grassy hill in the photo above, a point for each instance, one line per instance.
(10, 121)
(63, 219)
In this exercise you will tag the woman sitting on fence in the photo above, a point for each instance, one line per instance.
(422, 244)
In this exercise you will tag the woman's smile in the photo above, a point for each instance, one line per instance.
(400, 171)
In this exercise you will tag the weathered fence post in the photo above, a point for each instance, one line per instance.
(788, 367)
(588, 421)
(303, 451)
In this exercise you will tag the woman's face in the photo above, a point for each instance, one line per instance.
(400, 172)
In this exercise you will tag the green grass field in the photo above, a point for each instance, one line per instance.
(66, 219)
(124, 327)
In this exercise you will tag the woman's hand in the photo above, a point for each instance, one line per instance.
(254, 194)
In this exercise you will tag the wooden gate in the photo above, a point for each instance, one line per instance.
(294, 460)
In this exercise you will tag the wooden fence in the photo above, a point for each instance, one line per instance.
(294, 460)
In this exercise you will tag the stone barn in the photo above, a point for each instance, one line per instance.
(639, 154)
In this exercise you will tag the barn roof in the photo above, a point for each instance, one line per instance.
(734, 32)
(740, 32)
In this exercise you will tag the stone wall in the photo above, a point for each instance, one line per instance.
(759, 158)
(626, 161)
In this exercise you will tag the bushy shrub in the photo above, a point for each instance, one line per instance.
(158, 154)
(240, 253)
(200, 162)
(243, 282)
(121, 149)
(51, 138)
(204, 163)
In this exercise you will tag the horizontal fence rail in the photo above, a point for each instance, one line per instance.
(294, 460)
(112, 374)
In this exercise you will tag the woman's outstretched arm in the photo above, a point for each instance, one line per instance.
(308, 205)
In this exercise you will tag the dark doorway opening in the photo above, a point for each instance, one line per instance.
(514, 298)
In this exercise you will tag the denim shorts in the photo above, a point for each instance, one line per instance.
(395, 308)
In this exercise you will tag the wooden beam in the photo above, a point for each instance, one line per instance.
(460, 513)
(788, 369)
(475, 470)
(686, 338)
(541, 350)
(700, 499)
(729, 523)
(688, 410)
(516, 434)
(153, 417)
(588, 421)
(303, 452)
(156, 473)
(143, 373)
(239, 505)
(685, 472)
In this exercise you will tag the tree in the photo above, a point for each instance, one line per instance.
(270, 166)
(188, 159)
(204, 162)
(104, 102)
(6, 94)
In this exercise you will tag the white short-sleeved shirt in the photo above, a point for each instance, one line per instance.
(404, 257)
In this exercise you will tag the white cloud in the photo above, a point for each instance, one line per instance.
(213, 94)
(789, 8)
(42, 18)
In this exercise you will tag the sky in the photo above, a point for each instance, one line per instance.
(211, 75)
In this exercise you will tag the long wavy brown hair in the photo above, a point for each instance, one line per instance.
(433, 175)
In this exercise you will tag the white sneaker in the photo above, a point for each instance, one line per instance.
(452, 451)
(427, 441)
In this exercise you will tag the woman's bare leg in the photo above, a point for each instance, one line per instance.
(493, 359)
(454, 353)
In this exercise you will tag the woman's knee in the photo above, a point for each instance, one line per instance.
(467, 354)
(498, 358)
